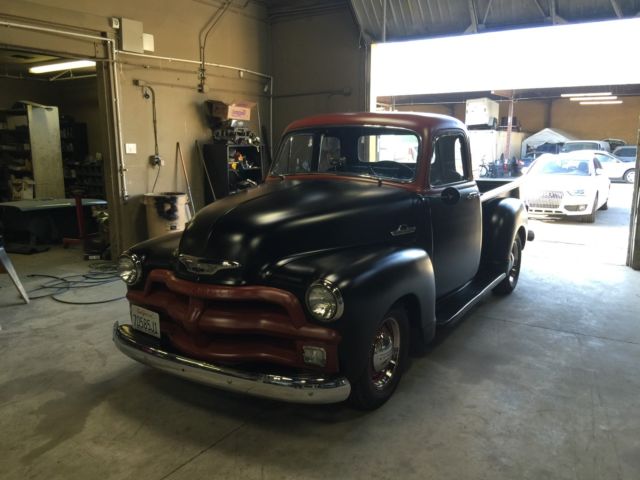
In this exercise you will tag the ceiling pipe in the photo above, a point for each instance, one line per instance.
(202, 42)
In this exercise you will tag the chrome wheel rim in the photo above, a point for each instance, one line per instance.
(514, 264)
(385, 352)
(631, 177)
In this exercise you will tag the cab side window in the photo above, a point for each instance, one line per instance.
(448, 162)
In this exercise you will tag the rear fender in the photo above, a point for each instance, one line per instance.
(503, 219)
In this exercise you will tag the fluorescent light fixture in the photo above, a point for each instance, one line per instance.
(606, 102)
(61, 66)
(597, 94)
(582, 99)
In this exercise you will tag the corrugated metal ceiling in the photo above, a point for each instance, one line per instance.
(427, 18)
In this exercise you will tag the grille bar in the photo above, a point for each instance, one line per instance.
(546, 199)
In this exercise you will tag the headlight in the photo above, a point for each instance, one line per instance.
(130, 268)
(324, 301)
(576, 193)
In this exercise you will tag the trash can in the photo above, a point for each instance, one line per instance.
(166, 212)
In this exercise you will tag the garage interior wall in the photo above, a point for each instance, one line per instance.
(240, 38)
(318, 65)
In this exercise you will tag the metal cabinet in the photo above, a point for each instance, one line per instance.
(31, 147)
(231, 168)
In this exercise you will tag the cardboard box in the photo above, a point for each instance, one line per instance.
(240, 110)
(21, 188)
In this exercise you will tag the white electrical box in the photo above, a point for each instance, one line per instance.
(131, 36)
(482, 113)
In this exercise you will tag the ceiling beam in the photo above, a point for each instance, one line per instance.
(616, 8)
(540, 9)
(473, 28)
(555, 18)
(486, 12)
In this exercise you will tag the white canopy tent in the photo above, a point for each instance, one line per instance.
(546, 135)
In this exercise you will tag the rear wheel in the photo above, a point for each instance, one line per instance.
(629, 176)
(387, 359)
(508, 285)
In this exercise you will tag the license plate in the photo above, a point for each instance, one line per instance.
(145, 320)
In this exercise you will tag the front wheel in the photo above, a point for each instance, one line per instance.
(591, 218)
(629, 176)
(386, 361)
(508, 285)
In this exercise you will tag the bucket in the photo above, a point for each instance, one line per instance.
(166, 212)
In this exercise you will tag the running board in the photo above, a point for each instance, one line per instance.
(451, 308)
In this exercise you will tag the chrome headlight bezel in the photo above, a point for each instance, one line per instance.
(577, 192)
(329, 289)
(133, 274)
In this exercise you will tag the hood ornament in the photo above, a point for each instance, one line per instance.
(203, 266)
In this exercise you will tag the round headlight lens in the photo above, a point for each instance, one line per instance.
(129, 268)
(324, 301)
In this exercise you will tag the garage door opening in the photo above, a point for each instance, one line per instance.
(585, 93)
(51, 163)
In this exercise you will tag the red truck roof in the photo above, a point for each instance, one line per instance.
(415, 121)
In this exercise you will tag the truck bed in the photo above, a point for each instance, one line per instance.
(491, 188)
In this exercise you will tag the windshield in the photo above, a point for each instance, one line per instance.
(386, 153)
(561, 165)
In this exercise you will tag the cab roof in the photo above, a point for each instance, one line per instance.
(415, 121)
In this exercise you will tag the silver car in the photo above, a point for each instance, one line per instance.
(614, 167)
(627, 153)
(573, 145)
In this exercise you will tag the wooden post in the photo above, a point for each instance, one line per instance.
(509, 128)
(633, 255)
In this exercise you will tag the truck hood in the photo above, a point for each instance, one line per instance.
(281, 220)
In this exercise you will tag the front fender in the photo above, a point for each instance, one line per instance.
(371, 280)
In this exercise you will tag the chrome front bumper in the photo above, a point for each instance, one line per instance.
(297, 389)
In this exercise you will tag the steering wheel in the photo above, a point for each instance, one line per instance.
(398, 165)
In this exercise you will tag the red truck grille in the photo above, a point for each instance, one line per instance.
(234, 325)
(546, 199)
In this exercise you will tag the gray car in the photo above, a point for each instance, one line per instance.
(628, 153)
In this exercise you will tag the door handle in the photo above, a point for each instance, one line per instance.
(403, 230)
(472, 195)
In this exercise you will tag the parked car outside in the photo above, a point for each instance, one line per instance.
(614, 167)
(614, 143)
(573, 145)
(627, 153)
(566, 185)
(529, 158)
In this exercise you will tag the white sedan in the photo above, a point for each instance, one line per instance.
(571, 184)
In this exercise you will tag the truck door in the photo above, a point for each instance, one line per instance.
(453, 201)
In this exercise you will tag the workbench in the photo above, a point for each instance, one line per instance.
(29, 223)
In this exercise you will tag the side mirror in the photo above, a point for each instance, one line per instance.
(599, 171)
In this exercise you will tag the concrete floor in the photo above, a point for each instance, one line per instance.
(542, 384)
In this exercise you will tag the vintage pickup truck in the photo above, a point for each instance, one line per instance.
(368, 233)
